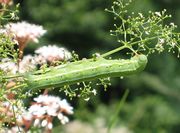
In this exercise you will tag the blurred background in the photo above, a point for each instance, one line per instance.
(153, 103)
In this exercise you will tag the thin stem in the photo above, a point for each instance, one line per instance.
(117, 111)
(11, 76)
(114, 51)
(124, 28)
(14, 113)
(19, 86)
(145, 40)
(127, 46)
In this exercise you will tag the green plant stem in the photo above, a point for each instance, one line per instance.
(145, 40)
(12, 76)
(114, 51)
(115, 116)
(126, 45)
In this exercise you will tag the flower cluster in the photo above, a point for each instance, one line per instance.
(45, 108)
(12, 110)
(44, 55)
(40, 114)
(8, 66)
(52, 106)
(52, 53)
(25, 32)
(145, 34)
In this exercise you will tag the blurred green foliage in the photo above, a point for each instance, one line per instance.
(79, 25)
(83, 25)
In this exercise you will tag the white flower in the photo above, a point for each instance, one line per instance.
(64, 120)
(53, 53)
(158, 14)
(60, 116)
(40, 98)
(3, 31)
(27, 116)
(44, 123)
(8, 66)
(49, 103)
(36, 122)
(40, 60)
(46, 108)
(172, 24)
(141, 15)
(46, 99)
(52, 105)
(94, 91)
(161, 41)
(64, 105)
(37, 110)
(50, 125)
(25, 32)
(27, 64)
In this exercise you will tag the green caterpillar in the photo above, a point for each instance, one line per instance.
(85, 70)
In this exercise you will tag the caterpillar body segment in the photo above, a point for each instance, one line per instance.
(85, 70)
